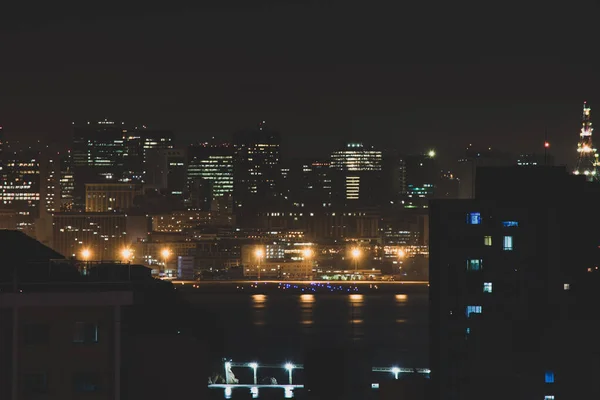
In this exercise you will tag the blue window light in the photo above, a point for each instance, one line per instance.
(508, 224)
(474, 218)
(474, 264)
(549, 397)
(487, 287)
(549, 377)
(473, 310)
(508, 243)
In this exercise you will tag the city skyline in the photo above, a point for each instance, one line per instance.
(403, 76)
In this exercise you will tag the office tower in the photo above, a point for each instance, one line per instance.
(115, 197)
(423, 174)
(510, 314)
(474, 158)
(394, 176)
(50, 187)
(67, 181)
(315, 186)
(357, 170)
(533, 159)
(108, 151)
(139, 142)
(20, 190)
(213, 163)
(168, 172)
(256, 166)
(103, 235)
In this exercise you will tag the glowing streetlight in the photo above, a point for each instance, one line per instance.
(126, 254)
(259, 254)
(431, 153)
(307, 253)
(254, 367)
(289, 367)
(86, 254)
(355, 256)
(396, 371)
(165, 254)
(401, 253)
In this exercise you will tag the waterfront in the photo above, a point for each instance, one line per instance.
(271, 323)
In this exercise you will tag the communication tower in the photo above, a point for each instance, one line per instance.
(587, 157)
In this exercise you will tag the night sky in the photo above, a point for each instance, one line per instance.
(412, 77)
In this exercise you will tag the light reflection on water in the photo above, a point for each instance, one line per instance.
(259, 305)
(306, 309)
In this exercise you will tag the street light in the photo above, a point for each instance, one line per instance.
(259, 253)
(165, 254)
(395, 371)
(401, 253)
(431, 153)
(290, 367)
(307, 254)
(355, 256)
(86, 254)
(126, 254)
(254, 367)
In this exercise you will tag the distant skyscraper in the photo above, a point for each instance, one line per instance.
(423, 175)
(212, 162)
(139, 142)
(357, 167)
(108, 151)
(20, 190)
(256, 166)
(587, 157)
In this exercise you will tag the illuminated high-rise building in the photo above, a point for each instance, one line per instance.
(20, 189)
(140, 142)
(587, 156)
(356, 168)
(423, 174)
(211, 162)
(108, 151)
(256, 166)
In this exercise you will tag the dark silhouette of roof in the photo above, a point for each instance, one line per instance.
(15, 245)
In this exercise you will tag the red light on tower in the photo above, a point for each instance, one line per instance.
(546, 144)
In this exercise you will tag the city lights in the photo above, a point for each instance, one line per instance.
(356, 253)
(307, 253)
(86, 254)
(126, 254)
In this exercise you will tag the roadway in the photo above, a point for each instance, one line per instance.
(239, 282)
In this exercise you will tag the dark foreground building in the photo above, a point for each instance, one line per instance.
(513, 288)
(70, 331)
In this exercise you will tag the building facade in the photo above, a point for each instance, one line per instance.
(506, 276)
(105, 197)
(103, 235)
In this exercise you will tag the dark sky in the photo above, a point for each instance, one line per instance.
(438, 75)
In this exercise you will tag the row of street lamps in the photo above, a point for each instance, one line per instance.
(126, 254)
(308, 254)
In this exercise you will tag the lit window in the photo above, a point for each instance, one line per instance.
(566, 286)
(468, 330)
(549, 377)
(474, 218)
(487, 287)
(487, 240)
(473, 310)
(549, 397)
(508, 243)
(474, 264)
(508, 224)
(85, 333)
